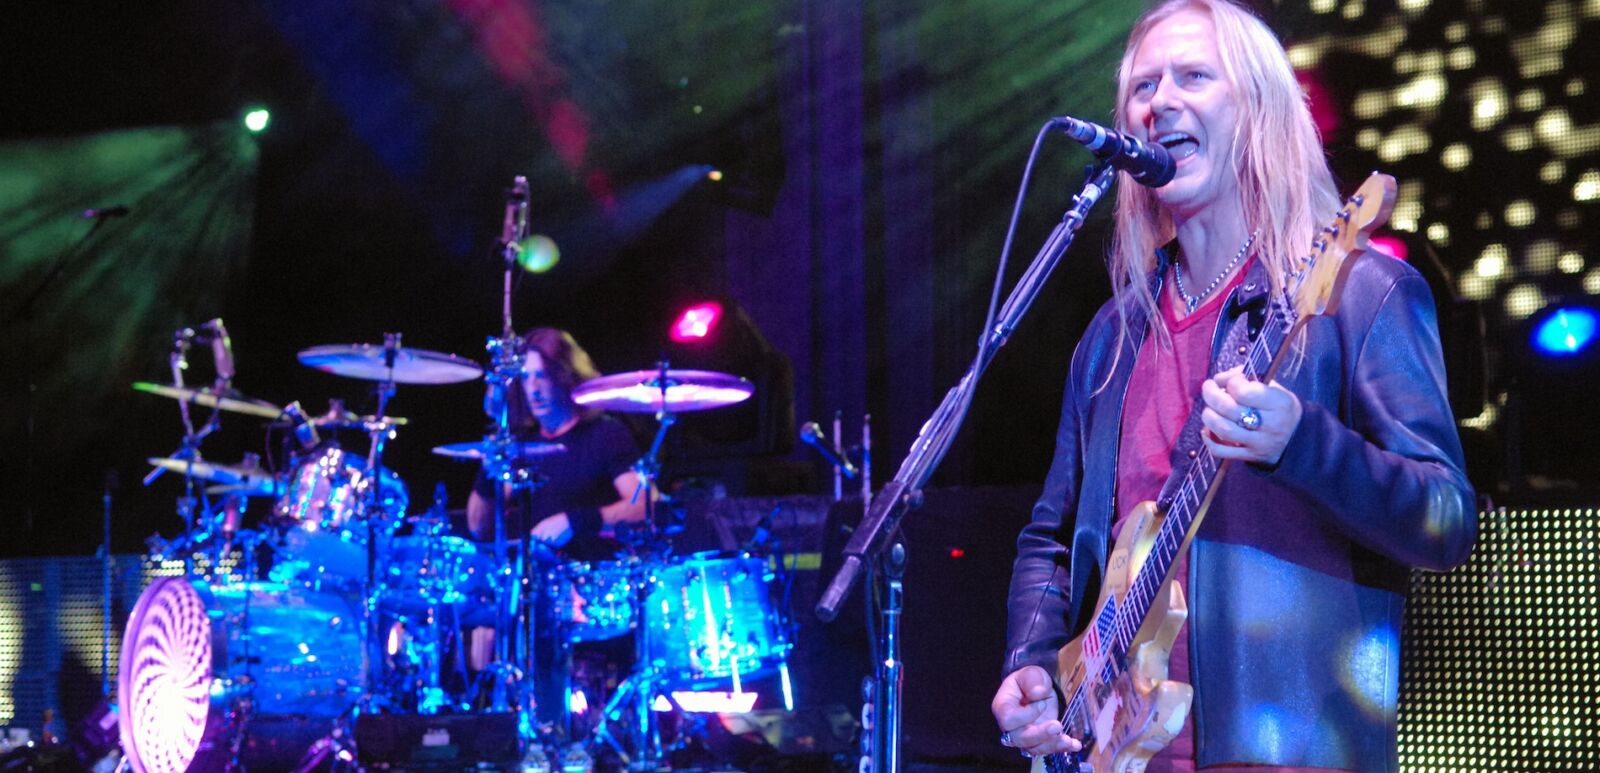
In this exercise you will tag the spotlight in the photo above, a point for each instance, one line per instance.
(1563, 331)
(714, 175)
(1393, 246)
(256, 119)
(696, 323)
(538, 253)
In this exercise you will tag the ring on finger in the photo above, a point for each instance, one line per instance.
(1249, 419)
(1005, 739)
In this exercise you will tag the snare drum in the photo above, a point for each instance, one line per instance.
(594, 601)
(328, 508)
(198, 661)
(710, 615)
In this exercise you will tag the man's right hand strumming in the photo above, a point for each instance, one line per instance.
(1028, 712)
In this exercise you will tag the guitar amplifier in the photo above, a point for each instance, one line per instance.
(441, 742)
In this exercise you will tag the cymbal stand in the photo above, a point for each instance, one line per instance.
(189, 449)
(373, 508)
(648, 467)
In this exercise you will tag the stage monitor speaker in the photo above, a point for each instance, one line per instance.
(441, 742)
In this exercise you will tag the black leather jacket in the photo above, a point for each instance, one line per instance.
(1298, 574)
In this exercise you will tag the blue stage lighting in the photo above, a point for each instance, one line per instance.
(1564, 331)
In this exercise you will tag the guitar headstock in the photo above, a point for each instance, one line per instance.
(1319, 279)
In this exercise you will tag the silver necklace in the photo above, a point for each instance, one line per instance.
(1192, 302)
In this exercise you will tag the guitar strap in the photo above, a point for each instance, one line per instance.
(1253, 303)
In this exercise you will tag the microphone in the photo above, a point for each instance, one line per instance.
(516, 222)
(221, 349)
(1146, 162)
(103, 212)
(812, 435)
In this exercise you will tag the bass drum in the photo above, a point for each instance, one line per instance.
(261, 667)
(710, 616)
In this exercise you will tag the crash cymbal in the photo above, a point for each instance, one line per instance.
(233, 402)
(252, 480)
(520, 449)
(411, 366)
(640, 391)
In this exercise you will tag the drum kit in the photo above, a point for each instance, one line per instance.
(340, 601)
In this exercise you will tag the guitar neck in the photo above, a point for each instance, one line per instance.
(1192, 496)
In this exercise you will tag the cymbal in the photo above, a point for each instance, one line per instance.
(343, 419)
(235, 402)
(411, 366)
(250, 480)
(640, 391)
(479, 449)
(245, 489)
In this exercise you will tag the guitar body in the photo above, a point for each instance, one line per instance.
(1139, 711)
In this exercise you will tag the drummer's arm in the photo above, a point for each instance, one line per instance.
(479, 513)
(627, 509)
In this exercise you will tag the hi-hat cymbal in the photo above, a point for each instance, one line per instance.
(640, 391)
(338, 417)
(480, 449)
(236, 403)
(410, 366)
(249, 480)
(244, 489)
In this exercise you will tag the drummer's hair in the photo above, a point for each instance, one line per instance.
(567, 364)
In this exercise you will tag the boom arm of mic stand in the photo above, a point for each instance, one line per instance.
(882, 519)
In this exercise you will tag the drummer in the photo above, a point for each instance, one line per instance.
(581, 492)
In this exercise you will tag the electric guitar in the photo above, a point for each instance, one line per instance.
(1114, 674)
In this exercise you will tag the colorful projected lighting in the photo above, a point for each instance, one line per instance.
(1565, 332)
(696, 322)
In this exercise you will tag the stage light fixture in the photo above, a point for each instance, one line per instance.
(1563, 331)
(1393, 246)
(696, 323)
(256, 119)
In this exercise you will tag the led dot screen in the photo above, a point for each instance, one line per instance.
(1501, 665)
(51, 634)
(1480, 109)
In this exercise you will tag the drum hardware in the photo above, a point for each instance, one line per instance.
(503, 678)
(219, 398)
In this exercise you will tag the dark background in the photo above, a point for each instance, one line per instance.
(871, 153)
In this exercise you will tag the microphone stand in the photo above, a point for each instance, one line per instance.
(881, 520)
(506, 355)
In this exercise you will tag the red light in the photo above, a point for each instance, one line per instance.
(957, 553)
(1392, 246)
(696, 322)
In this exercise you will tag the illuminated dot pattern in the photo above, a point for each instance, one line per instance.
(1502, 655)
(1480, 109)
